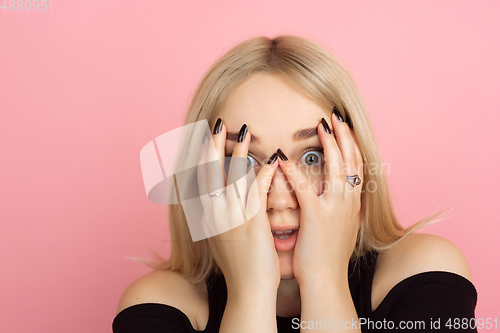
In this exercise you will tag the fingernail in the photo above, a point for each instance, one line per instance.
(273, 159)
(337, 113)
(218, 126)
(348, 121)
(282, 155)
(325, 126)
(243, 133)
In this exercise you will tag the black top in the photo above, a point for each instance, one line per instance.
(419, 302)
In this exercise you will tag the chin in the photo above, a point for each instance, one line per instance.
(286, 265)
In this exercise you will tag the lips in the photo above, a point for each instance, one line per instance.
(284, 240)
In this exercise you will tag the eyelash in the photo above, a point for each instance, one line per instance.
(303, 153)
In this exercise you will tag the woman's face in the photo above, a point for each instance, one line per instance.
(274, 111)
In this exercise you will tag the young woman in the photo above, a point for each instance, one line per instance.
(325, 250)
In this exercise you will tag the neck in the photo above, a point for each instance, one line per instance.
(288, 301)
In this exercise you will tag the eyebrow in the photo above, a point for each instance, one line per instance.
(301, 134)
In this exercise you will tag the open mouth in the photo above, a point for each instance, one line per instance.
(284, 234)
(284, 240)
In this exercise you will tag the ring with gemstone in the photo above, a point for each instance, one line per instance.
(353, 180)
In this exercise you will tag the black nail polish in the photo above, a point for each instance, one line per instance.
(348, 121)
(325, 126)
(337, 113)
(282, 155)
(273, 158)
(243, 133)
(218, 126)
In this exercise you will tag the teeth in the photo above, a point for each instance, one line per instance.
(289, 231)
(285, 233)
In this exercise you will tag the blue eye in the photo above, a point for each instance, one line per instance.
(249, 162)
(313, 157)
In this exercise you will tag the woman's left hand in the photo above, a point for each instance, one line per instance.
(329, 223)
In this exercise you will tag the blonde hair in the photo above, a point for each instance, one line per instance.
(319, 75)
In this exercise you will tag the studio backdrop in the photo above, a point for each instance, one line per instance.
(85, 85)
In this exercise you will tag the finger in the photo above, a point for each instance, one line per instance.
(238, 166)
(217, 178)
(219, 138)
(346, 145)
(201, 174)
(214, 174)
(257, 196)
(299, 182)
(359, 157)
(357, 190)
(219, 217)
(334, 179)
(200, 170)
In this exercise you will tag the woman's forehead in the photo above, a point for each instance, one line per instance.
(267, 94)
(268, 105)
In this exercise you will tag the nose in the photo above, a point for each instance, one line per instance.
(281, 195)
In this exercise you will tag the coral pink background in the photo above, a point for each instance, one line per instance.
(84, 87)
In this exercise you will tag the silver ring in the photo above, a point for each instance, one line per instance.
(217, 193)
(356, 179)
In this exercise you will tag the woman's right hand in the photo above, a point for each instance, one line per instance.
(245, 252)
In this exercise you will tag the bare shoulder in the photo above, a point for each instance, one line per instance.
(170, 288)
(414, 254)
